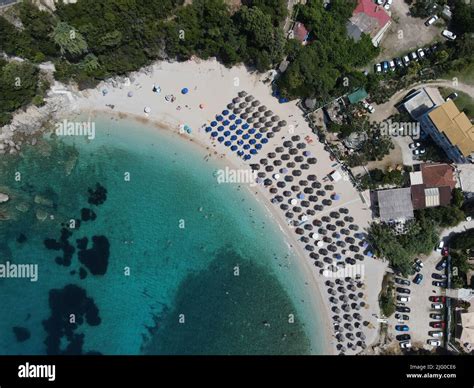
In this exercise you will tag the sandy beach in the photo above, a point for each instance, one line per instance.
(210, 88)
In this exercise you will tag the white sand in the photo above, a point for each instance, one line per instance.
(213, 85)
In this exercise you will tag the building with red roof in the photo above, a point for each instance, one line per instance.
(368, 18)
(300, 33)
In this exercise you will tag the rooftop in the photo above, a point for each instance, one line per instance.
(300, 32)
(422, 101)
(438, 175)
(395, 204)
(357, 95)
(455, 125)
(368, 18)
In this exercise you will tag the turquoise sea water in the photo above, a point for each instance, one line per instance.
(194, 267)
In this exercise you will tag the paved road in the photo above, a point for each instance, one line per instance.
(383, 111)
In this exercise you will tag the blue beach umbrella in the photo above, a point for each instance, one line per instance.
(214, 134)
(225, 112)
(258, 146)
(283, 170)
(238, 121)
(226, 133)
(247, 157)
(246, 136)
(208, 129)
(240, 142)
(184, 91)
(245, 126)
(258, 136)
(233, 127)
(232, 117)
(337, 235)
(307, 153)
(336, 197)
(240, 152)
(220, 139)
(338, 256)
(233, 137)
(246, 146)
(239, 132)
(369, 253)
(213, 123)
(234, 148)
(227, 143)
(264, 140)
(252, 141)
(253, 151)
(226, 122)
(219, 118)
(252, 131)
(300, 196)
(220, 128)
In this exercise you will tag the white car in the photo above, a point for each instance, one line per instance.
(406, 60)
(431, 20)
(434, 342)
(392, 65)
(437, 306)
(379, 2)
(421, 53)
(414, 145)
(368, 107)
(449, 35)
(404, 299)
(440, 246)
(388, 4)
(405, 344)
(413, 56)
(436, 334)
(378, 68)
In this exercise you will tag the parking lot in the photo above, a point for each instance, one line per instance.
(406, 33)
(420, 322)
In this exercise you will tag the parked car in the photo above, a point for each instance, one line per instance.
(452, 96)
(368, 107)
(379, 2)
(392, 65)
(414, 145)
(405, 345)
(434, 48)
(421, 53)
(434, 342)
(388, 4)
(385, 66)
(440, 246)
(401, 328)
(404, 299)
(413, 56)
(438, 284)
(402, 309)
(419, 263)
(418, 278)
(406, 60)
(439, 276)
(431, 20)
(436, 333)
(440, 299)
(398, 62)
(403, 337)
(441, 265)
(437, 306)
(378, 68)
(436, 316)
(449, 35)
(403, 290)
(402, 282)
(438, 325)
(445, 251)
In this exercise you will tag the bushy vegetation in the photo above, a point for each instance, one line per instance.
(386, 298)
(19, 85)
(378, 178)
(327, 66)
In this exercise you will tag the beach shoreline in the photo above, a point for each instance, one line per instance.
(209, 87)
